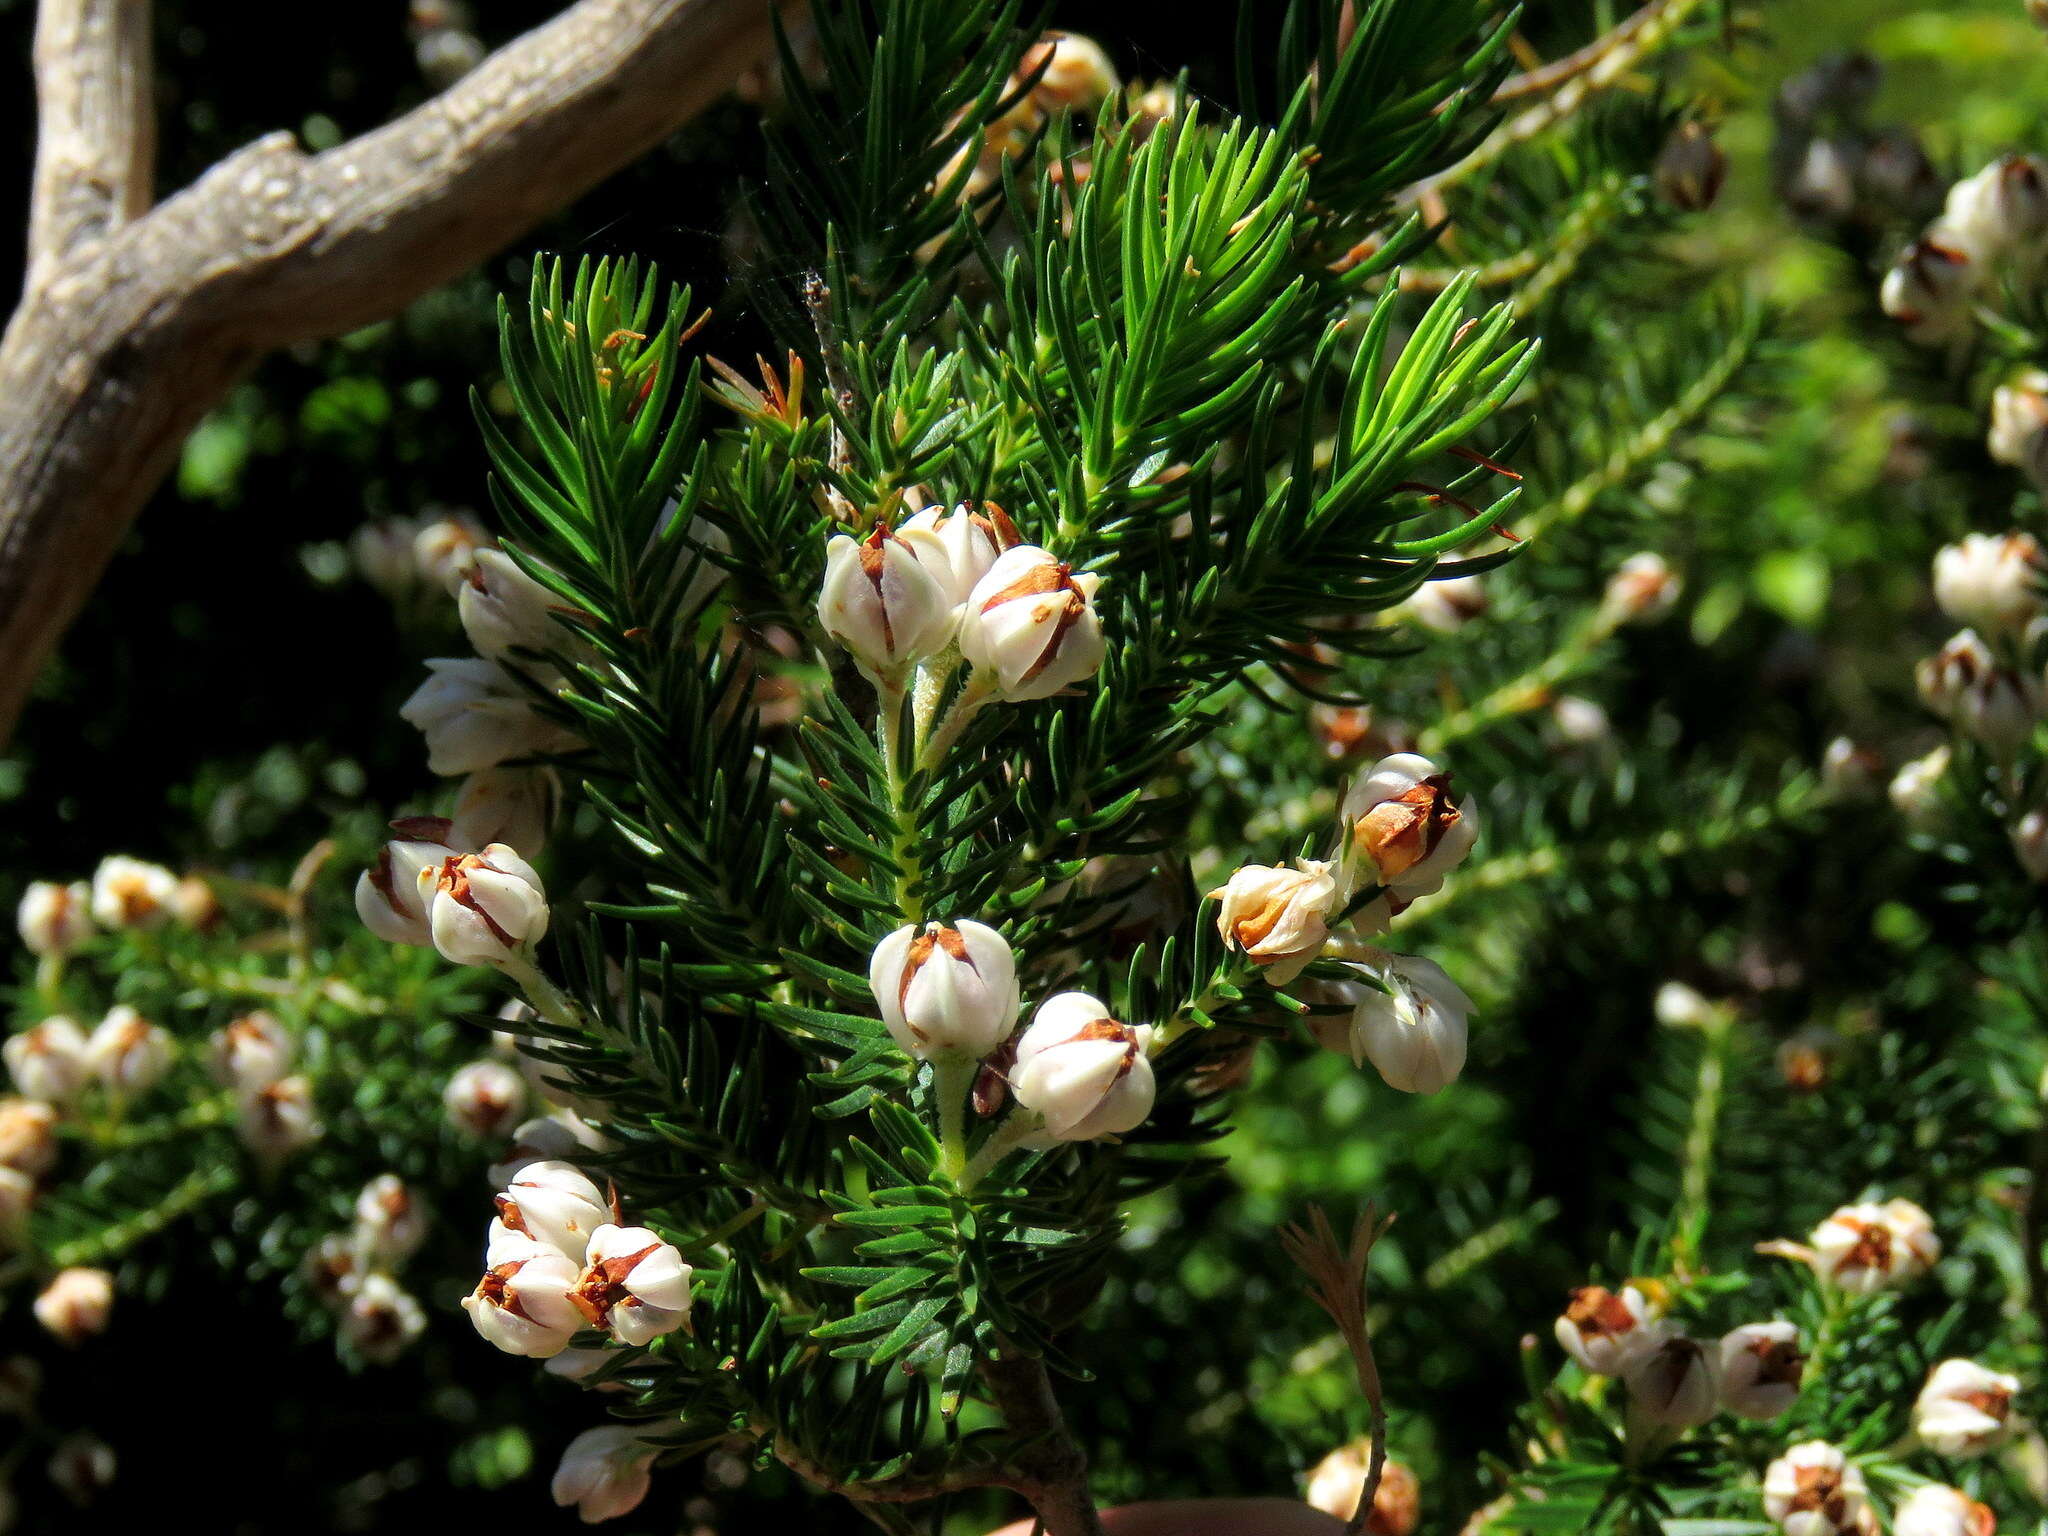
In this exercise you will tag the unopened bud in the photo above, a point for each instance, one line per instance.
(484, 908)
(389, 899)
(1414, 1032)
(127, 1053)
(1403, 821)
(1642, 590)
(76, 1304)
(1085, 1073)
(945, 990)
(967, 542)
(251, 1053)
(604, 1473)
(1760, 1369)
(54, 919)
(28, 1136)
(485, 1099)
(47, 1060)
(887, 600)
(1279, 917)
(633, 1284)
(389, 1222)
(1964, 1409)
(1031, 625)
(278, 1120)
(131, 893)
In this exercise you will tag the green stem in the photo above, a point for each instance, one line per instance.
(951, 1080)
(903, 830)
(1696, 1181)
(1007, 1138)
(1532, 690)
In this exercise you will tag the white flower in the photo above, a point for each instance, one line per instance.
(1414, 1032)
(194, 904)
(127, 1053)
(381, 1319)
(1813, 1490)
(1679, 1006)
(2030, 843)
(1642, 590)
(17, 1199)
(503, 608)
(76, 1304)
(389, 1223)
(129, 893)
(47, 1060)
(252, 1052)
(946, 990)
(1608, 1331)
(886, 599)
(1580, 722)
(1760, 1369)
(1085, 1073)
(634, 1284)
(1993, 705)
(1402, 819)
(1279, 917)
(1991, 581)
(1078, 74)
(522, 1305)
(1934, 1509)
(54, 919)
(1675, 1384)
(1031, 624)
(1865, 1248)
(443, 549)
(484, 908)
(604, 1473)
(513, 806)
(2003, 206)
(2019, 424)
(484, 1098)
(552, 1202)
(1824, 186)
(546, 1138)
(1850, 772)
(1928, 290)
(1915, 789)
(474, 714)
(959, 546)
(28, 1136)
(1690, 168)
(1963, 1408)
(278, 1119)
(333, 1268)
(388, 894)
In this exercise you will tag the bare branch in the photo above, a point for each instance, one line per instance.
(96, 127)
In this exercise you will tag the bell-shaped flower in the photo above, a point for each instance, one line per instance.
(127, 1053)
(131, 893)
(604, 1473)
(389, 898)
(28, 1136)
(1866, 1248)
(485, 908)
(552, 1202)
(48, 1060)
(523, 1303)
(1814, 1490)
(946, 990)
(1606, 1331)
(1928, 290)
(2002, 208)
(1964, 1409)
(887, 600)
(634, 1284)
(503, 609)
(277, 1120)
(474, 714)
(1991, 581)
(1279, 917)
(1402, 823)
(76, 1304)
(1761, 1365)
(1030, 625)
(251, 1052)
(54, 919)
(485, 1098)
(390, 1223)
(1415, 1031)
(1674, 1385)
(967, 542)
(1083, 1072)
(381, 1319)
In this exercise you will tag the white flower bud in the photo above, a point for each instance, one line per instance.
(252, 1052)
(1679, 1006)
(443, 549)
(604, 1473)
(1031, 624)
(76, 1304)
(2019, 424)
(1915, 790)
(485, 1098)
(333, 1268)
(1337, 1483)
(1078, 75)
(634, 1284)
(1279, 917)
(47, 1060)
(1690, 168)
(1813, 1490)
(1866, 1248)
(967, 544)
(2030, 843)
(1824, 186)
(503, 608)
(1642, 590)
(1934, 1509)
(28, 1136)
(1608, 1332)
(389, 1223)
(1991, 581)
(1415, 1031)
(388, 896)
(381, 1320)
(1084, 1072)
(1675, 1385)
(552, 1202)
(127, 1053)
(513, 806)
(1928, 291)
(1963, 682)
(886, 599)
(1402, 819)
(1580, 722)
(279, 1119)
(548, 1138)
(1760, 1369)
(474, 714)
(1963, 1409)
(54, 919)
(382, 552)
(129, 893)
(2002, 207)
(17, 1199)
(946, 991)
(1850, 772)
(523, 1303)
(194, 904)
(484, 908)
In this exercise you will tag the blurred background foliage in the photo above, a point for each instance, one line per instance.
(228, 698)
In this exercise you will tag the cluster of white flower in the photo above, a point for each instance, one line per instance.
(1401, 831)
(1676, 1382)
(354, 1272)
(1982, 681)
(1995, 219)
(559, 1261)
(1815, 1490)
(482, 908)
(56, 920)
(1077, 76)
